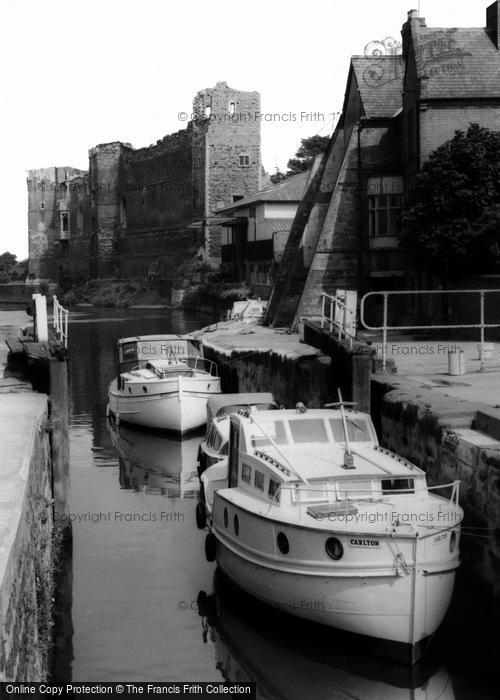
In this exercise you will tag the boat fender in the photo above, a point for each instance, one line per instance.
(210, 546)
(201, 515)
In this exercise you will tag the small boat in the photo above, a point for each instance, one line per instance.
(213, 447)
(310, 515)
(163, 382)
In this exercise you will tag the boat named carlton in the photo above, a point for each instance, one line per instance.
(308, 507)
(163, 382)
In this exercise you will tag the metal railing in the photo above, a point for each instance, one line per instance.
(385, 327)
(60, 321)
(337, 315)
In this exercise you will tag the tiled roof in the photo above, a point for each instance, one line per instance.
(458, 62)
(276, 225)
(380, 83)
(290, 190)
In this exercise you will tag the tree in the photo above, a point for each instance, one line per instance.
(308, 150)
(7, 263)
(452, 219)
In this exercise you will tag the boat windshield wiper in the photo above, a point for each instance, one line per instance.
(353, 422)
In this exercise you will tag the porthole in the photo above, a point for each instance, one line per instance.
(334, 548)
(226, 518)
(283, 544)
(236, 524)
(453, 541)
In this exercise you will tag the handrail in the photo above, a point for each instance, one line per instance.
(337, 303)
(385, 314)
(60, 321)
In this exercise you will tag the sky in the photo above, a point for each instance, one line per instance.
(76, 73)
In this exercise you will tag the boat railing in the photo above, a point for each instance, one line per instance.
(193, 362)
(330, 496)
(455, 490)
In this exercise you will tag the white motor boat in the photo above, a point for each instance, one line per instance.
(310, 515)
(163, 382)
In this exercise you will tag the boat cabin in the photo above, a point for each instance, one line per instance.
(291, 457)
(139, 350)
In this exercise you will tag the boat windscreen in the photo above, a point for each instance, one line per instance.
(357, 429)
(267, 431)
(308, 430)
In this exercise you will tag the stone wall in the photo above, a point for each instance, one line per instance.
(437, 433)
(26, 575)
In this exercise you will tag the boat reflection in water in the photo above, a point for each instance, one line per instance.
(255, 643)
(156, 464)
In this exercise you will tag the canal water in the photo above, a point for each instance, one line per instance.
(139, 601)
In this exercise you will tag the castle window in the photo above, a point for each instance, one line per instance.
(384, 211)
(42, 205)
(244, 160)
(123, 212)
(79, 219)
(232, 107)
(208, 111)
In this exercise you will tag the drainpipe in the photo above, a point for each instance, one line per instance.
(361, 241)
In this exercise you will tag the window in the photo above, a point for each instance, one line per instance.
(384, 212)
(308, 430)
(244, 160)
(357, 429)
(282, 542)
(237, 197)
(232, 107)
(259, 480)
(398, 486)
(64, 222)
(42, 205)
(269, 429)
(246, 473)
(79, 219)
(273, 490)
(208, 111)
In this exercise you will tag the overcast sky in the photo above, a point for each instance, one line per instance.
(75, 74)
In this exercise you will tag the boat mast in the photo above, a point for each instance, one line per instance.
(348, 455)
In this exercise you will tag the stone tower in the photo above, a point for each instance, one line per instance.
(226, 155)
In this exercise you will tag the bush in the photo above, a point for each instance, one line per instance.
(69, 299)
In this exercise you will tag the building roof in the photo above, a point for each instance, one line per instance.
(380, 83)
(290, 190)
(457, 62)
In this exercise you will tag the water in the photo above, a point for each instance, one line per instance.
(133, 608)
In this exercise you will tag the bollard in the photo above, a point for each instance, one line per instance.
(456, 362)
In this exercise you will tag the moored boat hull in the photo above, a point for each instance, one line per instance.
(380, 608)
(170, 405)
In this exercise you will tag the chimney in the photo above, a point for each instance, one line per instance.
(413, 20)
(493, 22)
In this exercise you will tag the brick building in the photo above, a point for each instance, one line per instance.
(398, 108)
(140, 212)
